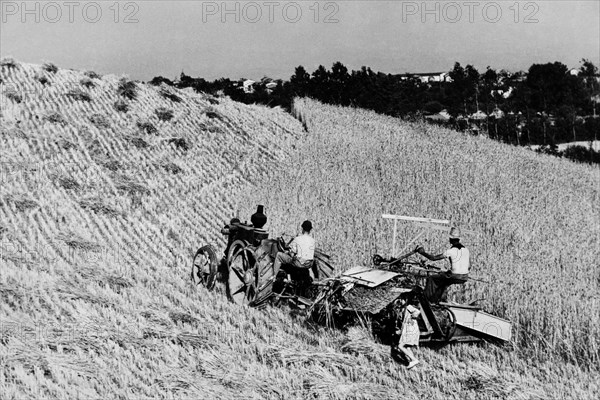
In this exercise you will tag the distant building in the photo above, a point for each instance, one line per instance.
(478, 116)
(248, 86)
(442, 116)
(520, 76)
(270, 86)
(504, 93)
(427, 77)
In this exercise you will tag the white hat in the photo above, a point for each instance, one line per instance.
(454, 233)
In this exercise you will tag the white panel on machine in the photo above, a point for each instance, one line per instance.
(482, 322)
(368, 276)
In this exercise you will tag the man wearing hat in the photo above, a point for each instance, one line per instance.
(302, 251)
(458, 273)
(259, 219)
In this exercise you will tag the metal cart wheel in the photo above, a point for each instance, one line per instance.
(204, 267)
(242, 279)
(265, 277)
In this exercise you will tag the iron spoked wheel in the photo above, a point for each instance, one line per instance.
(204, 267)
(452, 328)
(265, 277)
(242, 279)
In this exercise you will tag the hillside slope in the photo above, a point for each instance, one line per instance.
(99, 217)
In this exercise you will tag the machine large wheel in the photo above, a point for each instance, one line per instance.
(204, 267)
(265, 278)
(242, 280)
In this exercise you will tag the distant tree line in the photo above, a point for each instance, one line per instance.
(545, 106)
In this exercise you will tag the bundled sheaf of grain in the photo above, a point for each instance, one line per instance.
(164, 114)
(79, 95)
(179, 143)
(50, 67)
(99, 206)
(193, 340)
(97, 151)
(172, 168)
(66, 182)
(42, 78)
(169, 93)
(9, 63)
(21, 202)
(116, 283)
(100, 121)
(55, 117)
(156, 319)
(184, 339)
(102, 159)
(14, 131)
(92, 75)
(65, 143)
(87, 83)
(137, 141)
(127, 88)
(174, 383)
(181, 317)
(13, 94)
(77, 242)
(147, 127)
(121, 105)
(212, 113)
(129, 185)
(10, 295)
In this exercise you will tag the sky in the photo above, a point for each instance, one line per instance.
(236, 39)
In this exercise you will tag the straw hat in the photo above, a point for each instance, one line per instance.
(454, 233)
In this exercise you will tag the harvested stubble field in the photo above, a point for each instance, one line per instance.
(98, 232)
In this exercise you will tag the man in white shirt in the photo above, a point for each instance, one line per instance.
(302, 251)
(458, 272)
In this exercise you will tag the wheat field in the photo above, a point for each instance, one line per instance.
(109, 186)
(536, 219)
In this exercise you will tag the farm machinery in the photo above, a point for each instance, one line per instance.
(247, 268)
(376, 294)
(379, 294)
